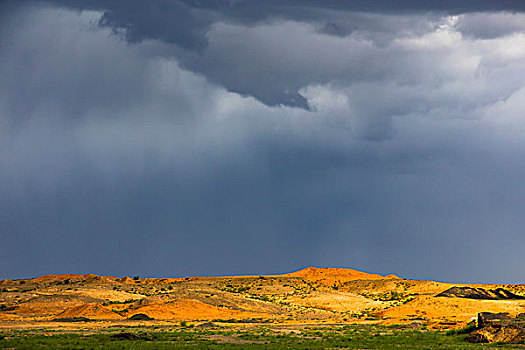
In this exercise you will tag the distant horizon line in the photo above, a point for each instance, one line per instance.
(254, 275)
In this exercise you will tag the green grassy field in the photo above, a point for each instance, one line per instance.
(344, 337)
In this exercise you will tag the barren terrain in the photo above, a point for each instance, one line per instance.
(309, 296)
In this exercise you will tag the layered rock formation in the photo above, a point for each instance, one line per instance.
(480, 293)
(495, 328)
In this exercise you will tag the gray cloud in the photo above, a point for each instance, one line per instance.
(144, 152)
(491, 25)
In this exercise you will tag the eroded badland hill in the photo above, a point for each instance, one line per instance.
(312, 295)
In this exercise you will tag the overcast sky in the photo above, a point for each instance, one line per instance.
(185, 137)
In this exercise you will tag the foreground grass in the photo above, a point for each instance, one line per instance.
(348, 337)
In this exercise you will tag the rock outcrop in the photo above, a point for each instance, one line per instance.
(480, 293)
(495, 328)
(486, 318)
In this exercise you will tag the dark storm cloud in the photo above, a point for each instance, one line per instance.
(187, 23)
(163, 138)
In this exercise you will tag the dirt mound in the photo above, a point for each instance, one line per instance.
(189, 309)
(480, 293)
(332, 275)
(140, 317)
(93, 311)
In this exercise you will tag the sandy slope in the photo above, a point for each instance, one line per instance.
(429, 307)
(335, 301)
(188, 309)
(92, 311)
